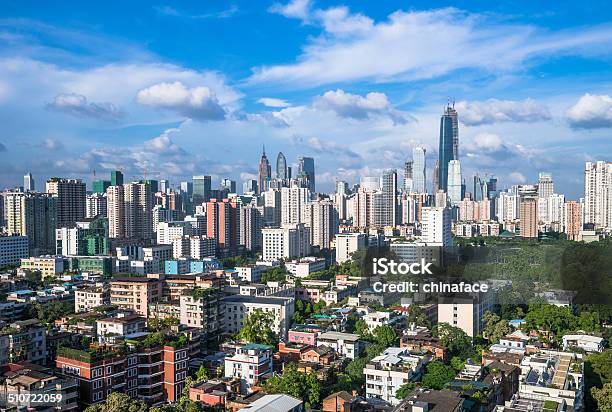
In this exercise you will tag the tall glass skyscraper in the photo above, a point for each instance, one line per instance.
(281, 166)
(418, 170)
(307, 168)
(201, 189)
(449, 145)
(454, 182)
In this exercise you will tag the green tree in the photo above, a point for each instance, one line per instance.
(455, 340)
(603, 397)
(437, 375)
(258, 328)
(457, 364)
(385, 335)
(405, 390)
(495, 328)
(361, 329)
(299, 385)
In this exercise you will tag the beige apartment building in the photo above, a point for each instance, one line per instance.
(46, 265)
(135, 293)
(89, 298)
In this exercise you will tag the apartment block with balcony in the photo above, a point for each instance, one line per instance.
(90, 297)
(23, 341)
(251, 363)
(135, 293)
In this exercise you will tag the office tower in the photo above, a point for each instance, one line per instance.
(272, 207)
(71, 195)
(572, 214)
(228, 185)
(251, 223)
(28, 183)
(387, 210)
(545, 185)
(419, 174)
(479, 191)
(528, 211)
(306, 167)
(322, 219)
(289, 241)
(164, 186)
(265, 172)
(281, 166)
(249, 186)
(100, 186)
(342, 188)
(598, 194)
(436, 175)
(138, 202)
(187, 187)
(116, 178)
(201, 189)
(95, 205)
(33, 215)
(292, 202)
(436, 226)
(408, 176)
(454, 182)
(222, 222)
(448, 146)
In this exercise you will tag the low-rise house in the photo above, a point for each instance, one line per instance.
(251, 363)
(306, 334)
(345, 344)
(587, 343)
(112, 330)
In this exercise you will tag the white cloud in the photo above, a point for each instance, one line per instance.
(273, 102)
(517, 177)
(354, 106)
(52, 144)
(497, 111)
(297, 9)
(77, 105)
(198, 103)
(163, 144)
(487, 141)
(591, 112)
(418, 45)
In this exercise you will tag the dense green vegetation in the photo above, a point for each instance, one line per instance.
(303, 386)
(258, 328)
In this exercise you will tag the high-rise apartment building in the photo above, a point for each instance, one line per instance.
(292, 201)
(598, 194)
(289, 241)
(436, 226)
(223, 222)
(419, 173)
(115, 211)
(33, 215)
(322, 218)
(545, 185)
(138, 202)
(349, 243)
(272, 207)
(251, 222)
(388, 213)
(71, 199)
(573, 220)
(95, 205)
(528, 211)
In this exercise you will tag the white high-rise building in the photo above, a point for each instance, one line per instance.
(545, 185)
(95, 205)
(289, 241)
(322, 219)
(251, 222)
(598, 194)
(292, 202)
(418, 170)
(348, 243)
(168, 231)
(115, 211)
(386, 210)
(507, 206)
(454, 182)
(28, 183)
(436, 226)
(272, 207)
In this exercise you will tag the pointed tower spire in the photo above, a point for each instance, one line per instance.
(264, 149)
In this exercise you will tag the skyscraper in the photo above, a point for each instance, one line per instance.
(249, 186)
(545, 185)
(229, 185)
(138, 201)
(418, 170)
(322, 218)
(32, 215)
(389, 214)
(528, 211)
(448, 147)
(265, 172)
(28, 183)
(342, 188)
(436, 174)
(408, 179)
(201, 189)
(306, 167)
(454, 182)
(281, 166)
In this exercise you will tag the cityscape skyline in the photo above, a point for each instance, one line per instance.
(98, 96)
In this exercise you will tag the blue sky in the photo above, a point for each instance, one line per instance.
(183, 88)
